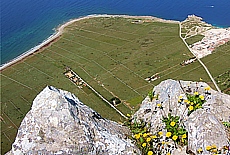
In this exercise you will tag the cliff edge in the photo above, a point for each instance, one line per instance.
(58, 123)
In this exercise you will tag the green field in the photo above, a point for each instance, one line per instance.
(194, 39)
(219, 66)
(109, 51)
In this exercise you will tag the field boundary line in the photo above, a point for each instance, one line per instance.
(93, 40)
(16, 107)
(17, 82)
(7, 137)
(10, 119)
(25, 100)
(38, 69)
(101, 34)
(69, 51)
(65, 57)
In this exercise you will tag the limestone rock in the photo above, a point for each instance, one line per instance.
(204, 125)
(58, 123)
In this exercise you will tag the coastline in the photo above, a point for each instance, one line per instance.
(59, 30)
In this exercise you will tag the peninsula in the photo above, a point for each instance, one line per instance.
(114, 54)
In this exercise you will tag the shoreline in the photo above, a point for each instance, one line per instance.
(59, 30)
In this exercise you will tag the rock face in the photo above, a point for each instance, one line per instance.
(58, 123)
(203, 125)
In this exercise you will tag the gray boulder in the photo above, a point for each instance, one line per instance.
(58, 123)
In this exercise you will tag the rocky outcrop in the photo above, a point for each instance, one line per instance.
(204, 125)
(58, 123)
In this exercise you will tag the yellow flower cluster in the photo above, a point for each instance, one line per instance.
(137, 136)
(208, 148)
(201, 97)
(199, 150)
(175, 137)
(172, 123)
(144, 139)
(160, 133)
(186, 101)
(207, 88)
(145, 135)
(144, 145)
(168, 134)
(148, 139)
(154, 137)
(191, 107)
(212, 148)
(184, 136)
(150, 152)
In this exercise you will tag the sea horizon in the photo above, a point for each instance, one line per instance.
(31, 32)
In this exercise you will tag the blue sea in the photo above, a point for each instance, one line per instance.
(26, 23)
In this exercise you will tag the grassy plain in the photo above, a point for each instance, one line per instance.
(111, 51)
(219, 66)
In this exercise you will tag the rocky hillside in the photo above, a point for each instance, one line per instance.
(58, 123)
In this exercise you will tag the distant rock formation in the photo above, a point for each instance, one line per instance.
(58, 123)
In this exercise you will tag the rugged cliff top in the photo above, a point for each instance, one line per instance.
(58, 123)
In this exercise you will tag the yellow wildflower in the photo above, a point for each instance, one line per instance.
(207, 88)
(208, 148)
(144, 145)
(191, 103)
(213, 146)
(200, 150)
(163, 142)
(154, 136)
(168, 134)
(186, 101)
(168, 153)
(179, 100)
(150, 152)
(172, 123)
(214, 150)
(128, 115)
(175, 137)
(201, 97)
(180, 97)
(148, 139)
(184, 136)
(160, 133)
(191, 108)
(137, 136)
(159, 105)
(145, 135)
(196, 93)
